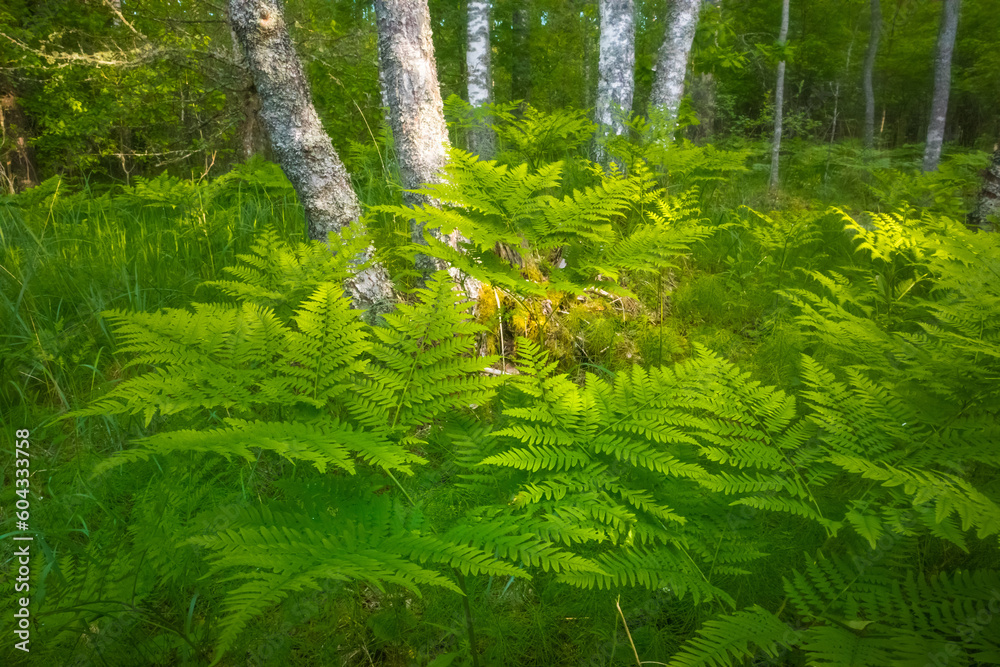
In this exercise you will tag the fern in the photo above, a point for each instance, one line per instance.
(730, 637)
(421, 363)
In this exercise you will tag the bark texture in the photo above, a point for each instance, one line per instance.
(250, 132)
(409, 74)
(616, 66)
(482, 139)
(671, 62)
(416, 115)
(300, 144)
(942, 83)
(779, 99)
(874, 32)
(988, 203)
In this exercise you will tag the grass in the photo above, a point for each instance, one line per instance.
(69, 253)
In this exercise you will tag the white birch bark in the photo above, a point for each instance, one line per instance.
(942, 83)
(482, 140)
(874, 32)
(416, 114)
(779, 99)
(671, 63)
(616, 67)
(411, 91)
(300, 144)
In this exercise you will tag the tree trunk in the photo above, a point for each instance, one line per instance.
(703, 94)
(942, 83)
(300, 144)
(988, 203)
(17, 158)
(616, 68)
(416, 115)
(250, 132)
(874, 32)
(671, 64)
(520, 74)
(482, 139)
(409, 74)
(779, 99)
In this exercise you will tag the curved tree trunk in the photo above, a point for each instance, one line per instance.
(942, 83)
(300, 144)
(671, 63)
(874, 32)
(616, 68)
(779, 99)
(482, 139)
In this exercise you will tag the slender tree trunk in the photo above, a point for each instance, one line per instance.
(874, 32)
(300, 144)
(520, 85)
(942, 83)
(616, 65)
(988, 203)
(779, 99)
(482, 139)
(671, 64)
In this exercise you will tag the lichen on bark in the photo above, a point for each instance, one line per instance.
(298, 140)
(616, 67)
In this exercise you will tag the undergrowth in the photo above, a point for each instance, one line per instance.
(686, 422)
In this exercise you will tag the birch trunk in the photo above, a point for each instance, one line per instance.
(779, 99)
(988, 203)
(942, 83)
(874, 32)
(616, 68)
(416, 115)
(671, 63)
(482, 139)
(300, 144)
(250, 132)
(409, 77)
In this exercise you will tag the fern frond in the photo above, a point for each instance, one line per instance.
(726, 639)
(422, 364)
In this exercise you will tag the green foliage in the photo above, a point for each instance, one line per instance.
(770, 433)
(520, 235)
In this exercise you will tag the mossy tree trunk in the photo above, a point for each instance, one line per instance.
(298, 140)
